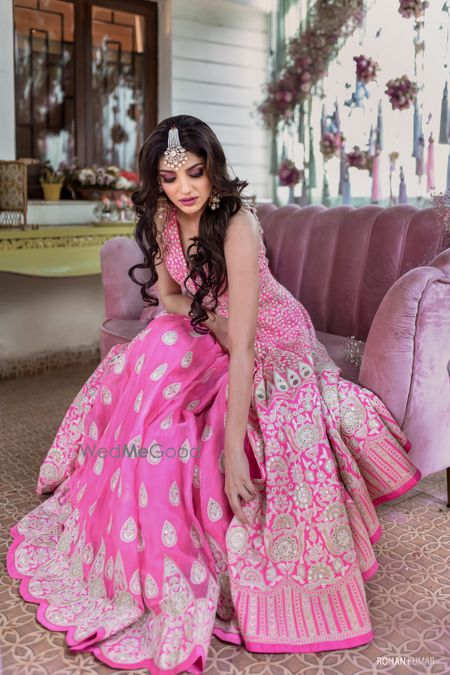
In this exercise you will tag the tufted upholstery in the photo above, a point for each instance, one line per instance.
(381, 275)
(338, 263)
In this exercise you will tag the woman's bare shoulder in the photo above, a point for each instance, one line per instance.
(244, 220)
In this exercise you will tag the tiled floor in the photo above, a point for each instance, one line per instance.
(409, 597)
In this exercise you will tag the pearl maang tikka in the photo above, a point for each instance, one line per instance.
(175, 155)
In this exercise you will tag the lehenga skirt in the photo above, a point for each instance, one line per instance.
(137, 554)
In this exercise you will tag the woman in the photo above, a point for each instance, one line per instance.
(216, 475)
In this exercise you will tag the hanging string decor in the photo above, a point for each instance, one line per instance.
(430, 164)
(379, 141)
(375, 196)
(326, 199)
(300, 106)
(393, 157)
(444, 126)
(311, 163)
(402, 192)
(346, 188)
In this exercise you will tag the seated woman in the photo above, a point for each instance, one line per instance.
(216, 475)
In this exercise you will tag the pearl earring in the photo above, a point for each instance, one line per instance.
(214, 200)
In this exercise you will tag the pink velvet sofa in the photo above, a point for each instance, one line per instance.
(379, 275)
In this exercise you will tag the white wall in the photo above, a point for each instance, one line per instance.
(212, 57)
(7, 119)
(219, 56)
(42, 316)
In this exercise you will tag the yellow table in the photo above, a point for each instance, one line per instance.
(69, 251)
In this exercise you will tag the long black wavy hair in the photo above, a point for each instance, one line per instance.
(206, 267)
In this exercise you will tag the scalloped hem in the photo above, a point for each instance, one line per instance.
(194, 664)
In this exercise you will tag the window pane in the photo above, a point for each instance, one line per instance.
(117, 92)
(44, 79)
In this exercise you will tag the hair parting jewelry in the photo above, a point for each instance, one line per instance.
(175, 155)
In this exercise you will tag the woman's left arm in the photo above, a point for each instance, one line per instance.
(241, 256)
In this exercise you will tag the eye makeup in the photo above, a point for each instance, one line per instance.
(169, 177)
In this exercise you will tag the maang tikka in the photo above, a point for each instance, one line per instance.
(175, 155)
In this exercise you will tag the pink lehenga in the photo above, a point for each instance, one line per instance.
(137, 554)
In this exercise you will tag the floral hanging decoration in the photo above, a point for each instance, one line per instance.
(330, 145)
(288, 174)
(366, 69)
(401, 92)
(413, 8)
(330, 23)
(359, 159)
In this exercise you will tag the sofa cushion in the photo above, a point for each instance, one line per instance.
(341, 262)
(336, 348)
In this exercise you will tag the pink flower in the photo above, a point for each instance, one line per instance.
(288, 173)
(366, 68)
(413, 8)
(402, 92)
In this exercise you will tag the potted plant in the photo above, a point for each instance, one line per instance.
(96, 182)
(51, 182)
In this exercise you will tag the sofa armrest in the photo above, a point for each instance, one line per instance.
(122, 297)
(406, 361)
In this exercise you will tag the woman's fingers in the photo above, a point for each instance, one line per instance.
(237, 509)
(246, 493)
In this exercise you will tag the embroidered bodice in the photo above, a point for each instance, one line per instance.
(282, 321)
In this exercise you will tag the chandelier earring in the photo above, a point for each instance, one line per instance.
(162, 205)
(214, 200)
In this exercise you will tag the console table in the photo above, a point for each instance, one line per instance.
(66, 251)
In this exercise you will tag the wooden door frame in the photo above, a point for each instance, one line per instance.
(83, 12)
(83, 70)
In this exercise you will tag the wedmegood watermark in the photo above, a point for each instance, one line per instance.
(155, 452)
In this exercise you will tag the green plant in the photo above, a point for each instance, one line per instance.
(50, 175)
